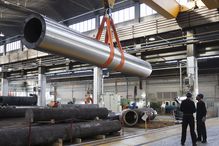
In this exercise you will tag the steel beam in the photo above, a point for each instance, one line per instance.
(211, 4)
(167, 8)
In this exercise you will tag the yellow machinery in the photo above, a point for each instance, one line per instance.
(211, 4)
(167, 8)
(109, 3)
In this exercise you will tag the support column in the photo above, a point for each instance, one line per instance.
(127, 88)
(144, 91)
(137, 12)
(180, 79)
(4, 50)
(192, 67)
(21, 46)
(41, 86)
(4, 84)
(116, 87)
(97, 84)
(55, 93)
(97, 21)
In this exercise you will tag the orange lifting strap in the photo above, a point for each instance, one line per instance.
(109, 41)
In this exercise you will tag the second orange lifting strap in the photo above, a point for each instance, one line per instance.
(109, 41)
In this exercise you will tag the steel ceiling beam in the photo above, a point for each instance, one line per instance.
(17, 8)
(7, 25)
(168, 8)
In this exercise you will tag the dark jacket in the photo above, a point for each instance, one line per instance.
(201, 110)
(188, 107)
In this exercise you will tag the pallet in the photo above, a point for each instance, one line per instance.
(59, 142)
(100, 137)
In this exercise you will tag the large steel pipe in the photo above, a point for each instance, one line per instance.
(79, 106)
(129, 117)
(150, 112)
(12, 112)
(60, 114)
(46, 35)
(43, 135)
(18, 100)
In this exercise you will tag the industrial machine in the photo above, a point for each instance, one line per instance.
(111, 101)
(177, 113)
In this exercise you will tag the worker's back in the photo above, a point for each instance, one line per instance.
(188, 107)
(201, 110)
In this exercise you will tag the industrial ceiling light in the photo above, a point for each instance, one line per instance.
(1, 34)
(10, 69)
(151, 39)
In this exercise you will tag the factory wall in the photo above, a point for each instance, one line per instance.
(156, 89)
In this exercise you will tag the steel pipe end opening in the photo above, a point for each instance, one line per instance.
(130, 118)
(33, 31)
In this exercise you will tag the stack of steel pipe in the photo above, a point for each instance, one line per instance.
(48, 134)
(62, 114)
(44, 34)
(18, 100)
(77, 122)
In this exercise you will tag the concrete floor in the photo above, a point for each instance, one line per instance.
(168, 136)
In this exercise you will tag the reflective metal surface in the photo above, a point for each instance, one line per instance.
(46, 35)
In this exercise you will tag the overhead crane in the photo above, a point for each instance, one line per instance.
(167, 8)
(211, 4)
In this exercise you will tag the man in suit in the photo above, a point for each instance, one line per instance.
(201, 117)
(188, 108)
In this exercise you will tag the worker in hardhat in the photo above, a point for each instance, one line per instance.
(201, 117)
(188, 108)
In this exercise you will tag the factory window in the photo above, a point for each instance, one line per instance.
(13, 46)
(122, 15)
(1, 48)
(84, 25)
(182, 2)
(166, 95)
(146, 10)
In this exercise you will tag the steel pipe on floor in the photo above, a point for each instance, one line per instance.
(129, 117)
(12, 113)
(43, 135)
(62, 115)
(79, 106)
(18, 100)
(151, 113)
(44, 34)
